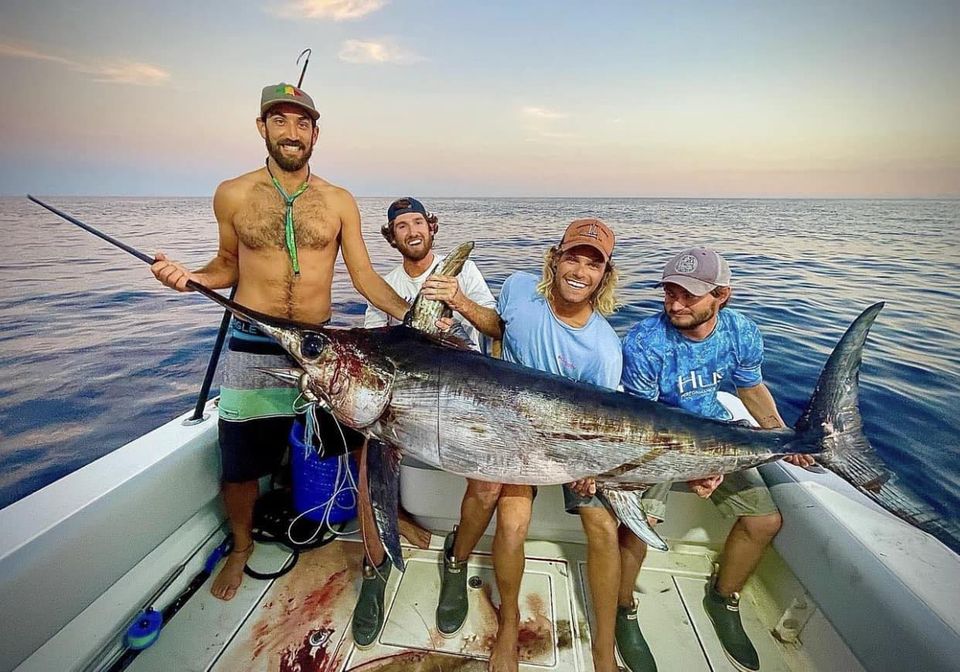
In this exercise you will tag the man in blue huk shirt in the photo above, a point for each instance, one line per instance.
(681, 357)
(553, 323)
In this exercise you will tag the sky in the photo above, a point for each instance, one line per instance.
(498, 98)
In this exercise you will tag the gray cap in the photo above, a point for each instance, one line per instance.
(286, 93)
(698, 270)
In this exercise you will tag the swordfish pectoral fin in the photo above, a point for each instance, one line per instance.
(627, 507)
(383, 485)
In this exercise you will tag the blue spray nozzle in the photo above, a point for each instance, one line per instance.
(144, 630)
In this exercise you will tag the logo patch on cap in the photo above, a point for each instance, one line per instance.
(287, 90)
(687, 264)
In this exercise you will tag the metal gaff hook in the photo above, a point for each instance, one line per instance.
(305, 64)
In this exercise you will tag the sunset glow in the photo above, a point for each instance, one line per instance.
(733, 99)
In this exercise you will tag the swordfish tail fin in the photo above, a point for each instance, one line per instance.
(832, 421)
(832, 418)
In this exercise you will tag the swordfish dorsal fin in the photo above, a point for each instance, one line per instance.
(424, 313)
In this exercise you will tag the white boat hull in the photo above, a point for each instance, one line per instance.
(79, 558)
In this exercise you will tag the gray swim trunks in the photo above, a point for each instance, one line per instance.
(742, 493)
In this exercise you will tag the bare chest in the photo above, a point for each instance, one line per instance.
(260, 224)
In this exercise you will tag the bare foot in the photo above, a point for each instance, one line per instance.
(228, 580)
(504, 656)
(411, 531)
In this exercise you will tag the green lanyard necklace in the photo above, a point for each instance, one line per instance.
(288, 216)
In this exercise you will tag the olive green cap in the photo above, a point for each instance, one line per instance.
(286, 93)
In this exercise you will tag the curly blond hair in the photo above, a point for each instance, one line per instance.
(604, 299)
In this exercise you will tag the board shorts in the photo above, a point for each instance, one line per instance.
(257, 410)
(574, 501)
(742, 493)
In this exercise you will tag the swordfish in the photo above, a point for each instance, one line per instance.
(425, 395)
(422, 393)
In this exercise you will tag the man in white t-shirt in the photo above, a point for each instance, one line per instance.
(411, 230)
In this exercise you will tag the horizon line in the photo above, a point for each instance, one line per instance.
(945, 197)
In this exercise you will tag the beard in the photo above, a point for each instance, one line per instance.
(416, 253)
(290, 164)
(693, 318)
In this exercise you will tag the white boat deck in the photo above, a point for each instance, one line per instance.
(78, 559)
(301, 621)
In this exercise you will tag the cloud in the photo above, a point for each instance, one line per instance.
(336, 10)
(142, 74)
(543, 113)
(18, 51)
(110, 72)
(384, 51)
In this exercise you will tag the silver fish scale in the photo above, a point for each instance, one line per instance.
(491, 420)
(680, 466)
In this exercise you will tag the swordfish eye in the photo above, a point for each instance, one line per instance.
(312, 345)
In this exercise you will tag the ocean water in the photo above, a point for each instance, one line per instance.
(94, 352)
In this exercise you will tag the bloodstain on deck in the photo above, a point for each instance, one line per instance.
(308, 657)
(421, 661)
(274, 629)
(299, 627)
(535, 639)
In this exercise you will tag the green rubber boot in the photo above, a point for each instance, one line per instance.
(368, 614)
(452, 606)
(631, 645)
(724, 612)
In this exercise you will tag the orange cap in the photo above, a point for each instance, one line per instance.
(590, 232)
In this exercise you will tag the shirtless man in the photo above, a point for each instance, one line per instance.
(280, 230)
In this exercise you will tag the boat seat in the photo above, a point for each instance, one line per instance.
(410, 461)
(889, 588)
